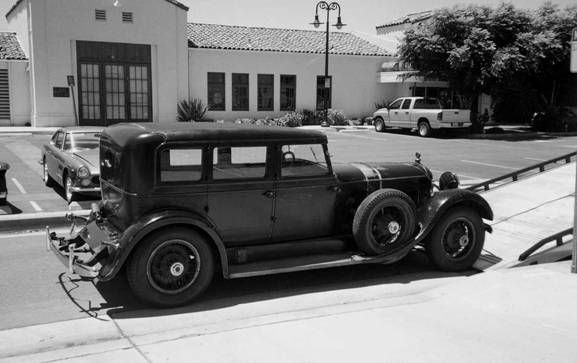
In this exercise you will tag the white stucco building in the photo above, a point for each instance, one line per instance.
(97, 62)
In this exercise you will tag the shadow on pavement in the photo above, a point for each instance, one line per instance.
(9, 208)
(226, 293)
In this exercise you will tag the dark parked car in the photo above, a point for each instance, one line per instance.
(71, 160)
(181, 202)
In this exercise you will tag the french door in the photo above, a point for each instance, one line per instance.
(113, 87)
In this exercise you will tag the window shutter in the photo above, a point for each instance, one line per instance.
(4, 95)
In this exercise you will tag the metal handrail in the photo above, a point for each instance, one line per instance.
(486, 185)
(557, 238)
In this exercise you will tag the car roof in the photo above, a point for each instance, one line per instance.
(81, 129)
(212, 131)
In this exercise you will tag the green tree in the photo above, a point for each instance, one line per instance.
(511, 54)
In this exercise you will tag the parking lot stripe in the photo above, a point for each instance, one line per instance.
(491, 165)
(19, 186)
(536, 159)
(35, 206)
(473, 178)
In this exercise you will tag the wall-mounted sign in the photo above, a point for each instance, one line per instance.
(60, 92)
(70, 80)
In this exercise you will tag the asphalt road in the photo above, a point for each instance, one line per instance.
(34, 288)
(474, 160)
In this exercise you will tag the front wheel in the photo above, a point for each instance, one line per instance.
(379, 124)
(457, 241)
(171, 267)
(70, 195)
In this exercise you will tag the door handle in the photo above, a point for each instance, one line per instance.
(334, 188)
(406, 112)
(268, 194)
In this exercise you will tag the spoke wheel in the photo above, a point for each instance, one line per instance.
(424, 129)
(384, 221)
(46, 178)
(70, 195)
(457, 240)
(171, 267)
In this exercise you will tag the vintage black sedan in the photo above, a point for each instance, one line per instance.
(70, 159)
(181, 202)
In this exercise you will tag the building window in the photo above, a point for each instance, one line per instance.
(216, 91)
(240, 91)
(324, 88)
(4, 95)
(100, 15)
(288, 92)
(126, 17)
(265, 92)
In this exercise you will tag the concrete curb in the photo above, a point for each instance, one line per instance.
(35, 221)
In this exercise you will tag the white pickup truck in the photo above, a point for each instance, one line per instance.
(423, 114)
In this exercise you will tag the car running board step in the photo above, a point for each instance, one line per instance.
(314, 262)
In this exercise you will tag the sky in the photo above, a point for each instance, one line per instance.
(359, 15)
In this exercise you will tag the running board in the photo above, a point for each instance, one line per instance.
(557, 253)
(305, 263)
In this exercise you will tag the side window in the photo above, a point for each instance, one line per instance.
(242, 162)
(59, 139)
(300, 161)
(67, 142)
(216, 89)
(180, 165)
(396, 104)
(406, 104)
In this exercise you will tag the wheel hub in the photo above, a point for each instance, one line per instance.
(394, 227)
(464, 241)
(176, 269)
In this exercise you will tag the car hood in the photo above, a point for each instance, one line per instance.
(361, 171)
(90, 158)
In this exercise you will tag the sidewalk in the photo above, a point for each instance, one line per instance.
(516, 315)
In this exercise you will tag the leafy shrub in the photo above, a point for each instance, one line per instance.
(337, 117)
(311, 117)
(191, 110)
(291, 119)
(383, 104)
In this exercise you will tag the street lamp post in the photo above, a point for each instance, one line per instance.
(323, 5)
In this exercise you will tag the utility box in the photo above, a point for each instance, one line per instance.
(3, 190)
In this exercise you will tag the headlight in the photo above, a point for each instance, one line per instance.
(448, 180)
(83, 172)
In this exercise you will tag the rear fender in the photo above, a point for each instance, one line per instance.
(134, 234)
(431, 213)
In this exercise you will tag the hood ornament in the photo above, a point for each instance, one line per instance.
(418, 157)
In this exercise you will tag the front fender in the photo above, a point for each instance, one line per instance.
(151, 222)
(432, 211)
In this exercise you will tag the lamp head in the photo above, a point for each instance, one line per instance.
(339, 23)
(317, 22)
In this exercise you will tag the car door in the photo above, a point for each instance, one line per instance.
(405, 114)
(394, 113)
(241, 194)
(306, 194)
(51, 155)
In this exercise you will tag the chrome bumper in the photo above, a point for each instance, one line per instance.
(69, 255)
(85, 190)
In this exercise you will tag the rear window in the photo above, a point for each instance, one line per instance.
(180, 165)
(427, 104)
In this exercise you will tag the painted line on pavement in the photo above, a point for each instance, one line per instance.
(35, 206)
(19, 186)
(574, 147)
(360, 136)
(487, 164)
(535, 159)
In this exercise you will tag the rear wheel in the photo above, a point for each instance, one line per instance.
(379, 124)
(457, 241)
(46, 178)
(171, 267)
(424, 129)
(384, 221)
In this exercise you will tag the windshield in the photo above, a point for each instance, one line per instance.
(82, 141)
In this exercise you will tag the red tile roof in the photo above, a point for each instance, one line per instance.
(174, 2)
(410, 18)
(10, 47)
(214, 36)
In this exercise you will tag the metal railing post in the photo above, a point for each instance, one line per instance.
(574, 258)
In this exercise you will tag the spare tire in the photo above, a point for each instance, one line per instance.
(384, 221)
